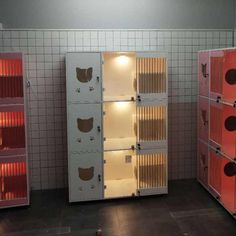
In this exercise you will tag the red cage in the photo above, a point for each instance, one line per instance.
(11, 78)
(13, 147)
(223, 127)
(13, 180)
(228, 188)
(223, 75)
(203, 73)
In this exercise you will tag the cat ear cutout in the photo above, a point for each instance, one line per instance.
(204, 70)
(230, 169)
(204, 116)
(230, 77)
(85, 125)
(84, 75)
(230, 123)
(86, 174)
(203, 159)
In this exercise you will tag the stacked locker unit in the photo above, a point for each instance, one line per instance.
(217, 125)
(14, 189)
(117, 124)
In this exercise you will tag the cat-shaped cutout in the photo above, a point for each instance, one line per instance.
(230, 123)
(204, 70)
(230, 77)
(204, 117)
(230, 169)
(85, 125)
(86, 174)
(84, 75)
(203, 160)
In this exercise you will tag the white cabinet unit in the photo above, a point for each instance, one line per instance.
(117, 107)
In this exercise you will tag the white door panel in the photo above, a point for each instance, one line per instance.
(83, 74)
(85, 177)
(84, 128)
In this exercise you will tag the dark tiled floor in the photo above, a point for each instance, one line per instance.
(188, 210)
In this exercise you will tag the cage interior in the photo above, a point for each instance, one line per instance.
(11, 78)
(119, 174)
(12, 130)
(13, 180)
(119, 125)
(119, 76)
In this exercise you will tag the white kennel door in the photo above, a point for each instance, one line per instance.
(85, 177)
(84, 128)
(83, 77)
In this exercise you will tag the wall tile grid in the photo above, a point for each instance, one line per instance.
(45, 69)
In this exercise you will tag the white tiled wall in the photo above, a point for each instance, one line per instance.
(45, 68)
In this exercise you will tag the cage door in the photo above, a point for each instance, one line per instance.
(85, 177)
(83, 77)
(151, 75)
(152, 173)
(151, 127)
(84, 128)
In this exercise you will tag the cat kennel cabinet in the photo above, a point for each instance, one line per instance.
(14, 189)
(117, 124)
(217, 125)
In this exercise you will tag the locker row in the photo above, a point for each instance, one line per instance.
(218, 174)
(120, 125)
(115, 77)
(217, 74)
(122, 173)
(217, 123)
(117, 124)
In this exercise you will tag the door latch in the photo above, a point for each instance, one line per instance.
(99, 178)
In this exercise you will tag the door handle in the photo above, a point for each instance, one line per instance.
(99, 178)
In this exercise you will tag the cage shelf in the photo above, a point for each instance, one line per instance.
(119, 143)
